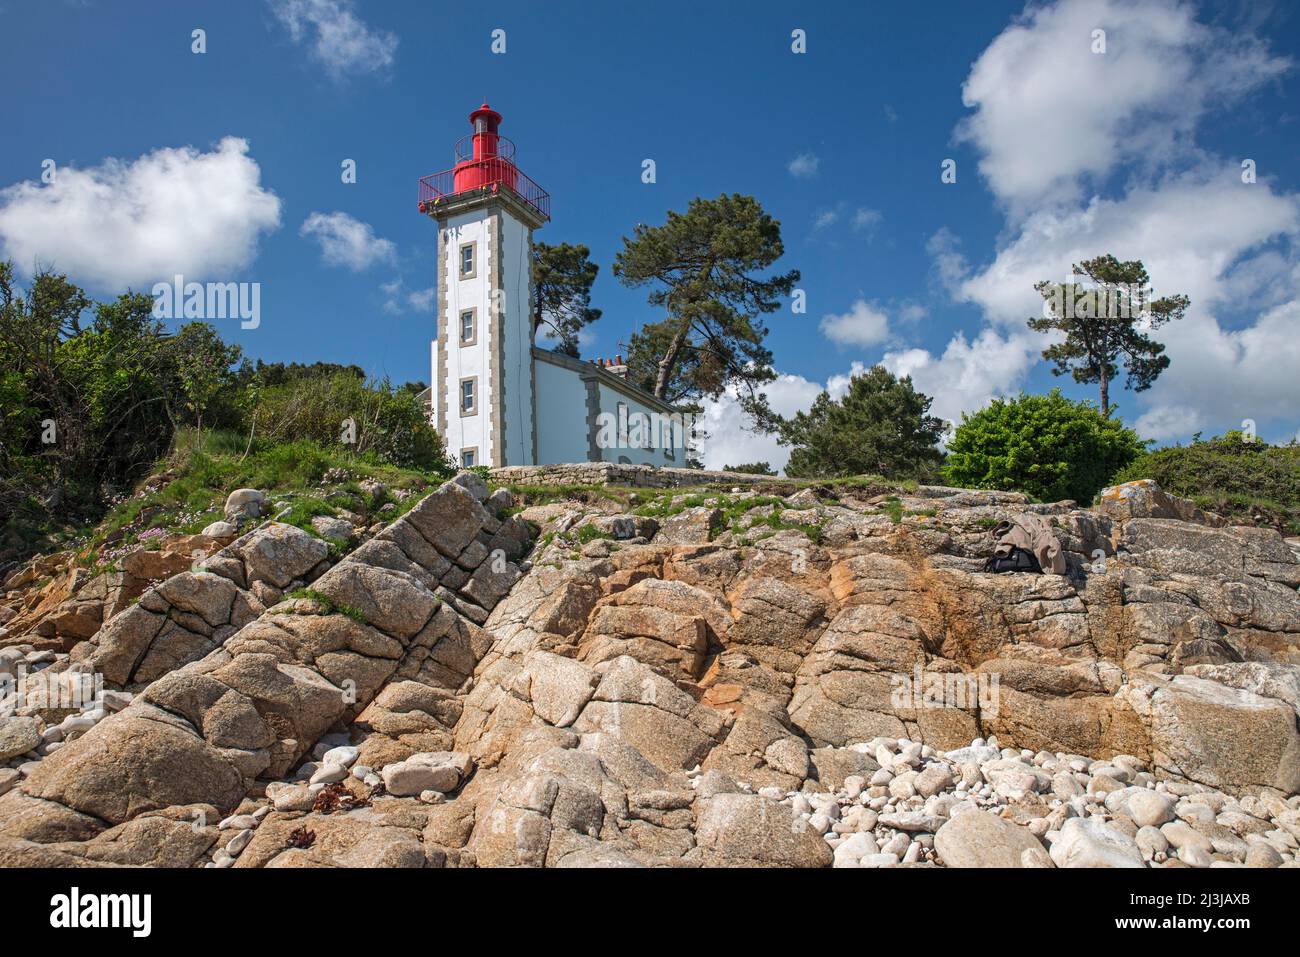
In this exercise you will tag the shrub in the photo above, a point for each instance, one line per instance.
(390, 424)
(751, 468)
(1237, 478)
(1047, 446)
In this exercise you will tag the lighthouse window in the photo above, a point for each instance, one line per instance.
(467, 264)
(469, 396)
(468, 327)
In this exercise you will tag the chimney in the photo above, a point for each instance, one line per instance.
(616, 366)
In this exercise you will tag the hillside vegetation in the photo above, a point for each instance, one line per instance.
(1248, 482)
(94, 397)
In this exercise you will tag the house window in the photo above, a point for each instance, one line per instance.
(468, 263)
(469, 396)
(468, 327)
(469, 458)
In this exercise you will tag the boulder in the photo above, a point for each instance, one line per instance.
(278, 553)
(1206, 732)
(1087, 842)
(332, 529)
(979, 839)
(143, 759)
(691, 526)
(559, 688)
(18, 735)
(440, 771)
(1269, 679)
(749, 830)
(448, 519)
(244, 503)
(1146, 499)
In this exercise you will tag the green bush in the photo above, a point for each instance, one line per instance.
(1240, 479)
(1047, 446)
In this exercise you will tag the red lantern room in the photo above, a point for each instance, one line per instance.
(484, 158)
(484, 165)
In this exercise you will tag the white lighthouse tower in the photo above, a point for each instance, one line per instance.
(483, 394)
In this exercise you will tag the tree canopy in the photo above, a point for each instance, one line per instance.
(1105, 321)
(881, 426)
(562, 280)
(92, 393)
(704, 267)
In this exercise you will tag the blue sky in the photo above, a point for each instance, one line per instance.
(225, 166)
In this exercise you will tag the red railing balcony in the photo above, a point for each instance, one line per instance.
(483, 176)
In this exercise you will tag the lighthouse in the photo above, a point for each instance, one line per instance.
(497, 398)
(486, 210)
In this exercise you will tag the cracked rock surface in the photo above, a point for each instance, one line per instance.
(730, 679)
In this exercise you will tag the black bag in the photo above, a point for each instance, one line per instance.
(1019, 560)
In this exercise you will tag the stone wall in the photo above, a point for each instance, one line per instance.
(609, 473)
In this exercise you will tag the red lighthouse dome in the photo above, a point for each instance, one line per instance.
(484, 158)
(484, 165)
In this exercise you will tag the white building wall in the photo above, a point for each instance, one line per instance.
(659, 453)
(434, 396)
(561, 415)
(516, 357)
(467, 431)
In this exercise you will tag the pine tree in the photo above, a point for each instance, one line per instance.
(1104, 320)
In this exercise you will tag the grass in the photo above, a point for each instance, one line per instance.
(589, 533)
(329, 605)
(776, 523)
(205, 469)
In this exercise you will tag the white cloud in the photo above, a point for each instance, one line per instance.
(865, 324)
(864, 218)
(398, 299)
(347, 242)
(421, 300)
(964, 378)
(969, 373)
(175, 210)
(730, 443)
(912, 312)
(950, 266)
(1207, 235)
(804, 166)
(1187, 229)
(340, 40)
(1052, 115)
(1219, 377)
